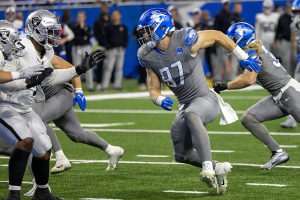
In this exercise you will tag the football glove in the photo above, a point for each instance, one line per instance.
(250, 64)
(36, 80)
(32, 71)
(80, 98)
(218, 87)
(164, 102)
(89, 61)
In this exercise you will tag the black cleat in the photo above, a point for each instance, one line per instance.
(44, 194)
(13, 195)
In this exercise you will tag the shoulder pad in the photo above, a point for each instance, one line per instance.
(191, 37)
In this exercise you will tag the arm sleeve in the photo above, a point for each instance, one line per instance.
(190, 37)
(69, 32)
(60, 76)
(12, 86)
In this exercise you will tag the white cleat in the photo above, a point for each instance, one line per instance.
(114, 154)
(221, 171)
(207, 175)
(31, 192)
(61, 166)
(289, 123)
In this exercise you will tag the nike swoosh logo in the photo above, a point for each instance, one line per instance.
(60, 166)
(274, 161)
(287, 99)
(223, 182)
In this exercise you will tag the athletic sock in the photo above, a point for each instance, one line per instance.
(17, 167)
(109, 149)
(279, 151)
(60, 155)
(40, 170)
(42, 186)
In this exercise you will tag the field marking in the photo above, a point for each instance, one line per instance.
(130, 95)
(152, 156)
(222, 151)
(287, 146)
(266, 184)
(186, 192)
(4, 165)
(168, 131)
(22, 182)
(103, 125)
(134, 111)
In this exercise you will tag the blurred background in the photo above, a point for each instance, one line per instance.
(110, 25)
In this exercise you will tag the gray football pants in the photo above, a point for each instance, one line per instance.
(286, 54)
(114, 57)
(219, 62)
(267, 110)
(78, 53)
(190, 139)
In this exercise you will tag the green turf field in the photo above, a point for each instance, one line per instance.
(134, 180)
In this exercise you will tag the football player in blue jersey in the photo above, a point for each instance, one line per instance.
(172, 57)
(284, 91)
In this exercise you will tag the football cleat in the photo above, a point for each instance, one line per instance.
(276, 159)
(13, 197)
(221, 170)
(61, 166)
(44, 194)
(207, 175)
(114, 154)
(31, 192)
(289, 123)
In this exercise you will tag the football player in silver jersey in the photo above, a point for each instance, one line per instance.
(172, 57)
(22, 127)
(284, 91)
(295, 38)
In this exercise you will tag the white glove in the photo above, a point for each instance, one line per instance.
(32, 71)
(19, 98)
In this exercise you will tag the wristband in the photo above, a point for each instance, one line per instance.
(159, 100)
(3, 96)
(15, 75)
(78, 90)
(239, 53)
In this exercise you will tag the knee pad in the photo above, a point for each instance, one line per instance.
(41, 145)
(179, 158)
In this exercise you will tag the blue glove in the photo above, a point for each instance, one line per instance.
(250, 64)
(79, 97)
(166, 103)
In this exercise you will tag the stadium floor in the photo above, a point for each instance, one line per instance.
(143, 130)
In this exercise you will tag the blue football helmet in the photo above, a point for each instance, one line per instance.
(154, 25)
(241, 33)
(296, 7)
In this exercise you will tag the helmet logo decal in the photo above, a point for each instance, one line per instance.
(4, 33)
(36, 21)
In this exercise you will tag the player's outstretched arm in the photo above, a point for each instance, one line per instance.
(210, 37)
(6, 76)
(155, 91)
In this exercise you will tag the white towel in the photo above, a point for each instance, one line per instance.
(228, 115)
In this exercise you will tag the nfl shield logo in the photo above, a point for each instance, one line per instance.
(179, 51)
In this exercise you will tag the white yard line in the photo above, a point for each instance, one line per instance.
(287, 146)
(103, 125)
(266, 184)
(22, 182)
(135, 111)
(4, 165)
(98, 199)
(186, 192)
(130, 95)
(152, 156)
(221, 151)
(168, 131)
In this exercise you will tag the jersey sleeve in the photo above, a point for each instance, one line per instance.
(252, 53)
(142, 52)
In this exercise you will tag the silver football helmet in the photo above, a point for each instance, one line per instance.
(44, 28)
(10, 13)
(10, 43)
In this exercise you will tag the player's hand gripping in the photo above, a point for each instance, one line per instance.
(89, 61)
(32, 71)
(218, 87)
(250, 64)
(36, 80)
(80, 99)
(165, 102)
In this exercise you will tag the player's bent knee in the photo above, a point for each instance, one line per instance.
(179, 158)
(42, 144)
(25, 144)
(248, 119)
(78, 138)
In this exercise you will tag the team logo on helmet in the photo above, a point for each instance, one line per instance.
(4, 34)
(36, 21)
